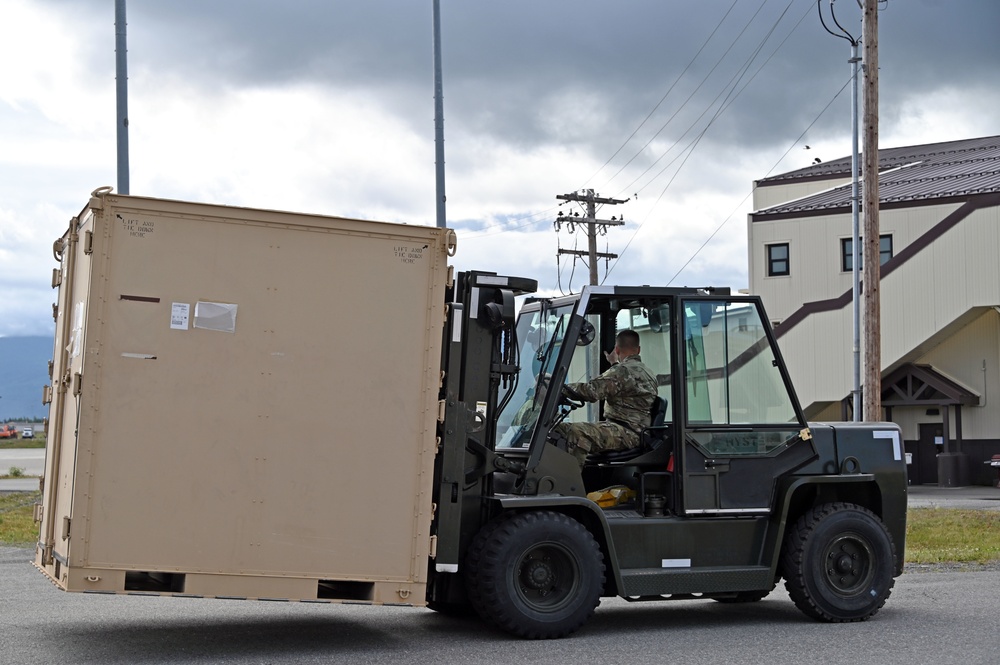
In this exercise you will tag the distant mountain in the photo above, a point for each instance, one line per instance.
(24, 369)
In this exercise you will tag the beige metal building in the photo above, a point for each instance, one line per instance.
(940, 293)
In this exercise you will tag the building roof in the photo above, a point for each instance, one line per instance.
(928, 172)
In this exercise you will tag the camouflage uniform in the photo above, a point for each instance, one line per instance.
(629, 389)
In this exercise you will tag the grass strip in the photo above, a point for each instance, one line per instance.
(939, 535)
(17, 522)
(8, 444)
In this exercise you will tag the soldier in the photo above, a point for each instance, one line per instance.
(628, 388)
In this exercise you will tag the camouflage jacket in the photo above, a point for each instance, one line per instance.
(628, 389)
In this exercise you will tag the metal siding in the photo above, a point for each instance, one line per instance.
(972, 357)
(932, 290)
(935, 289)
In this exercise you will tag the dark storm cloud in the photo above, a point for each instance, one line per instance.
(585, 72)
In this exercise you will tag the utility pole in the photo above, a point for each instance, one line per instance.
(590, 219)
(872, 264)
(121, 88)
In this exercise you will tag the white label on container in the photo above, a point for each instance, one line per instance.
(180, 315)
(219, 316)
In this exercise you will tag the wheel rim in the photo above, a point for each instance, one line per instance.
(848, 564)
(547, 577)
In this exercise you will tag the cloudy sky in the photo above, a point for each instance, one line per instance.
(327, 107)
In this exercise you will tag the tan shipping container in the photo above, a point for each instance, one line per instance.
(243, 403)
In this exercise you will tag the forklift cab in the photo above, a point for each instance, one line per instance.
(731, 424)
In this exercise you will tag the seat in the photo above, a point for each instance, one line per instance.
(651, 438)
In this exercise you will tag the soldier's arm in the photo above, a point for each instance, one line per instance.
(602, 387)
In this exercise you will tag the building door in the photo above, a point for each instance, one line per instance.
(927, 451)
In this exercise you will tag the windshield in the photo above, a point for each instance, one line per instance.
(540, 335)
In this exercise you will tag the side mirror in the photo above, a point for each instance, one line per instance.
(706, 310)
(497, 312)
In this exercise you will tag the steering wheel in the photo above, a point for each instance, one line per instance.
(571, 402)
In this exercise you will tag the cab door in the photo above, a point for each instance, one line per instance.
(742, 425)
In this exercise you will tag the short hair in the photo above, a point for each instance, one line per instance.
(628, 340)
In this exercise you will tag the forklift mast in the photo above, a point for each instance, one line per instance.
(480, 369)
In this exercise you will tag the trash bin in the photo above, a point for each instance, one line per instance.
(995, 463)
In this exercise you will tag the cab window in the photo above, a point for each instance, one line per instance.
(732, 381)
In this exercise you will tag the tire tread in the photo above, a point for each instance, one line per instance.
(794, 566)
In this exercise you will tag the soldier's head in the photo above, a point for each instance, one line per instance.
(627, 343)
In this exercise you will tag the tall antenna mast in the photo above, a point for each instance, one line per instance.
(438, 118)
(121, 89)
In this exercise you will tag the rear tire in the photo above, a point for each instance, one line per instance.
(838, 562)
(537, 574)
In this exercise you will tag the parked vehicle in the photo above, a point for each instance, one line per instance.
(28, 433)
(8, 432)
(427, 474)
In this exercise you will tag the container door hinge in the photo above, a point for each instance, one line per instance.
(77, 384)
(65, 528)
(46, 394)
(56, 277)
(434, 547)
(88, 242)
(55, 312)
(38, 512)
(442, 409)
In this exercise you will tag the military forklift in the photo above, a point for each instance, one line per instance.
(730, 491)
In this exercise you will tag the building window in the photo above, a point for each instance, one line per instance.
(777, 260)
(846, 253)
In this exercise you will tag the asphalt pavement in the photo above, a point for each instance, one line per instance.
(939, 618)
(974, 497)
(31, 461)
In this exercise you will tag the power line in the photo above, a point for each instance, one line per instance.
(689, 98)
(729, 99)
(665, 95)
(770, 171)
(547, 212)
(729, 86)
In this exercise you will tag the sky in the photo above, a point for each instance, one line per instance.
(326, 106)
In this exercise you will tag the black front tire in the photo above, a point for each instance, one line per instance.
(537, 574)
(838, 563)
